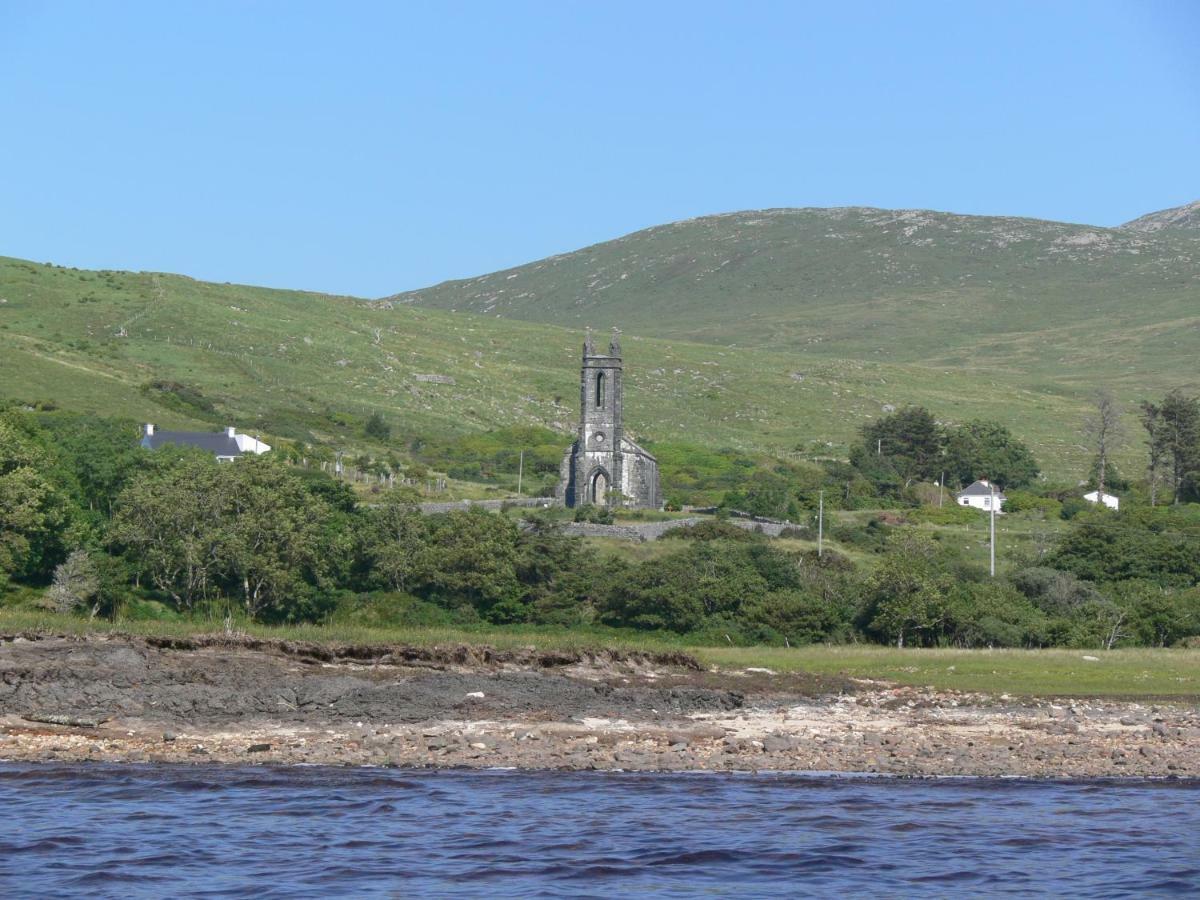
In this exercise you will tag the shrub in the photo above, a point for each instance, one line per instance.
(796, 615)
(395, 609)
(1073, 507)
(596, 515)
(951, 514)
(1054, 592)
(377, 427)
(872, 536)
(712, 531)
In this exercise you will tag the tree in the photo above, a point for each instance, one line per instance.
(1173, 435)
(472, 555)
(1103, 428)
(76, 583)
(907, 598)
(982, 449)
(274, 546)
(33, 513)
(908, 440)
(198, 529)
(167, 521)
(393, 542)
(1155, 545)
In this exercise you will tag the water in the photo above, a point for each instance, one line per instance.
(149, 831)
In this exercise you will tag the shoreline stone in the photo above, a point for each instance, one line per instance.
(127, 700)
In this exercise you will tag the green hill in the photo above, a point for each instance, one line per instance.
(311, 367)
(1043, 304)
(779, 331)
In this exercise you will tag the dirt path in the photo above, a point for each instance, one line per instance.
(250, 700)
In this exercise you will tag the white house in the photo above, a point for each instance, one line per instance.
(980, 496)
(1107, 499)
(225, 445)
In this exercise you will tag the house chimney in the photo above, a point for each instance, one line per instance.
(231, 431)
(149, 429)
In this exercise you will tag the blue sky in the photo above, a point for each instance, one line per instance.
(371, 148)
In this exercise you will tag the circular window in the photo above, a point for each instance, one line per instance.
(598, 437)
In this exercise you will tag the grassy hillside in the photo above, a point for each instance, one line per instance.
(313, 367)
(1048, 306)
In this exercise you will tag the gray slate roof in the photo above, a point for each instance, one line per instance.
(979, 489)
(218, 443)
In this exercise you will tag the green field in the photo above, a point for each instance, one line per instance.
(1134, 674)
(1141, 674)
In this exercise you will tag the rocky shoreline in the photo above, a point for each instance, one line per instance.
(242, 700)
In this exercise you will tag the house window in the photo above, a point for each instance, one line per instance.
(600, 390)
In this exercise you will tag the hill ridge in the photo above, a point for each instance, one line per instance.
(1177, 218)
(910, 286)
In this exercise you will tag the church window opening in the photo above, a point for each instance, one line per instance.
(600, 390)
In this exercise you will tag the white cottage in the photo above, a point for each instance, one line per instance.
(980, 495)
(1107, 499)
(225, 445)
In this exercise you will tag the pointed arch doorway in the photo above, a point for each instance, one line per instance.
(598, 490)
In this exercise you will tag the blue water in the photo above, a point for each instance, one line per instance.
(151, 831)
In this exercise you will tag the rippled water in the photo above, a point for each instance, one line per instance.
(150, 831)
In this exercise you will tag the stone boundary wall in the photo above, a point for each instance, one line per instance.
(652, 531)
(451, 506)
(626, 531)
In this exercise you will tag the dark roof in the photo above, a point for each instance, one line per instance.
(215, 442)
(979, 489)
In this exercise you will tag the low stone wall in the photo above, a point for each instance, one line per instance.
(451, 506)
(652, 531)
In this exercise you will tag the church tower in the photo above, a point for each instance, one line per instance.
(603, 467)
(600, 425)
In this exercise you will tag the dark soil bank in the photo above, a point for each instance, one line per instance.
(243, 699)
(218, 683)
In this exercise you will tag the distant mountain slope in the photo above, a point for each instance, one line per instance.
(312, 367)
(1044, 299)
(1178, 218)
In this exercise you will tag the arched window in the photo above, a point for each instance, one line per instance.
(600, 390)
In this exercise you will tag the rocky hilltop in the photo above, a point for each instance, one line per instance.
(1178, 218)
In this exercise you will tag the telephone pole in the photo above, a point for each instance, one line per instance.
(520, 473)
(992, 540)
(820, 523)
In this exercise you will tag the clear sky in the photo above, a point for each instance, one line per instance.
(370, 148)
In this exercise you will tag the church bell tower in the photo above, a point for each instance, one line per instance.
(604, 467)
(600, 423)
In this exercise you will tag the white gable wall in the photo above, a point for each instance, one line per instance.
(1107, 499)
(982, 501)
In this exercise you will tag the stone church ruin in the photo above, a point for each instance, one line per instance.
(603, 466)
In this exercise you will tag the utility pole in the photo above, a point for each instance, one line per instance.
(879, 447)
(941, 488)
(820, 523)
(992, 541)
(520, 473)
